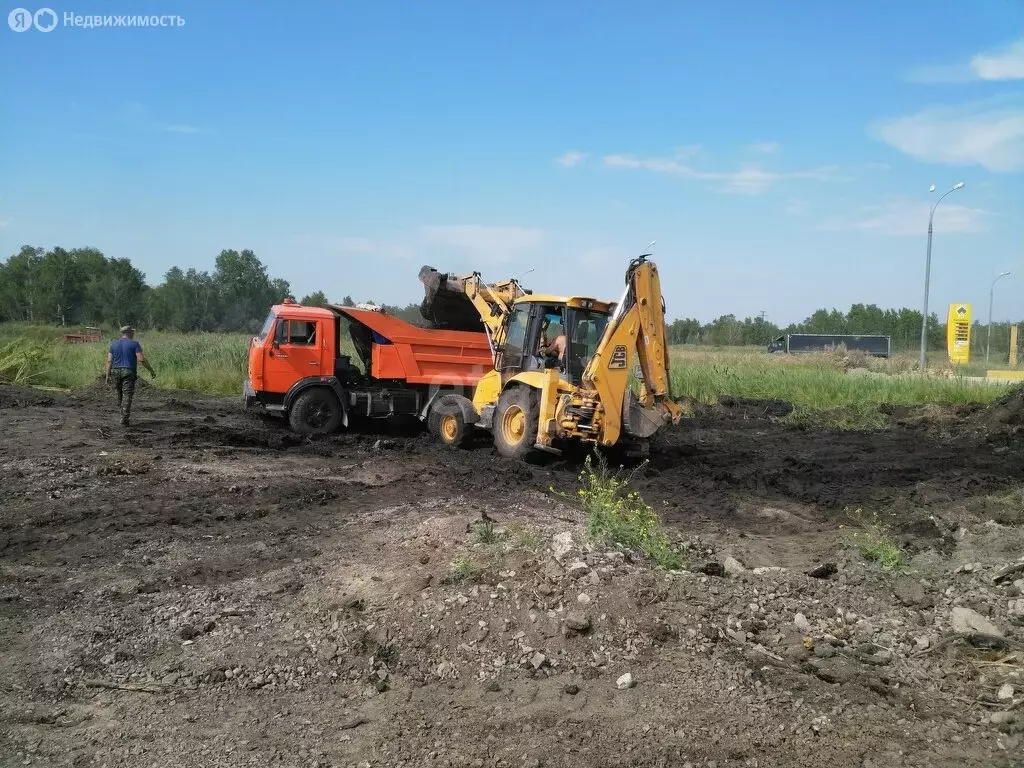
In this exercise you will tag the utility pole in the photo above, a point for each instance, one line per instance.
(991, 295)
(927, 276)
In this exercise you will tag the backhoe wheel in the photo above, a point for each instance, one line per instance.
(315, 412)
(447, 421)
(516, 422)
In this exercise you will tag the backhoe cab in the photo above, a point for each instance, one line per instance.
(562, 365)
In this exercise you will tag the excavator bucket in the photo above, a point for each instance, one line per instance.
(445, 303)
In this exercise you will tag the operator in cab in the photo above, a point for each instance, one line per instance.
(552, 348)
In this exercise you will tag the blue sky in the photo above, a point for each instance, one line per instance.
(779, 153)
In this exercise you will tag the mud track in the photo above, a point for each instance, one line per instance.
(205, 588)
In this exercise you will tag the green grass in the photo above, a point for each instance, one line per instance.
(484, 532)
(816, 382)
(874, 540)
(462, 569)
(213, 363)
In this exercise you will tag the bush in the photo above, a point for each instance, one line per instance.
(875, 542)
(617, 515)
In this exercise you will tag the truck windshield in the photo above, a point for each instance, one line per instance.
(267, 325)
(585, 329)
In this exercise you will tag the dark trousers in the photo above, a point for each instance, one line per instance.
(124, 385)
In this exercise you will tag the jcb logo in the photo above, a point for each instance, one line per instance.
(618, 358)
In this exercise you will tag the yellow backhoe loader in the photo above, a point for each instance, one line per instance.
(563, 365)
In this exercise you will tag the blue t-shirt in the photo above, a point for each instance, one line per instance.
(123, 353)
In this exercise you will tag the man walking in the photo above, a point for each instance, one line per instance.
(123, 360)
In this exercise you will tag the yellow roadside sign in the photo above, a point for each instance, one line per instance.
(958, 334)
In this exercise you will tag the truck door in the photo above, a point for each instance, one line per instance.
(296, 352)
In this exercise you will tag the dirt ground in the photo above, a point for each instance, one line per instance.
(206, 589)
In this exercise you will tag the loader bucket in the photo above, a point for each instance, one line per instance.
(445, 303)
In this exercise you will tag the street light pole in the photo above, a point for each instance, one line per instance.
(991, 296)
(927, 276)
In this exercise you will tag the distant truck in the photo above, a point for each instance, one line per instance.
(794, 343)
(89, 335)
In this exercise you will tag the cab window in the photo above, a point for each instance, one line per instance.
(515, 339)
(296, 332)
(267, 325)
(586, 331)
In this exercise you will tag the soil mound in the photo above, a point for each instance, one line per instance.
(1006, 414)
(23, 397)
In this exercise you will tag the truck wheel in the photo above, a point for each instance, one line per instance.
(516, 422)
(315, 412)
(448, 422)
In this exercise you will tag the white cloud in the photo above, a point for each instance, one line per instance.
(987, 134)
(908, 217)
(136, 115)
(765, 147)
(1004, 63)
(797, 207)
(942, 73)
(487, 244)
(749, 180)
(356, 246)
(182, 129)
(478, 244)
(571, 159)
(687, 151)
(601, 257)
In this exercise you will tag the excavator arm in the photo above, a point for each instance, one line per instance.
(635, 333)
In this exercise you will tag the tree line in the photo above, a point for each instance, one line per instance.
(903, 326)
(83, 286)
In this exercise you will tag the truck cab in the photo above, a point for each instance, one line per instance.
(295, 367)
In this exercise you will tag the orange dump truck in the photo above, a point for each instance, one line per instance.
(296, 367)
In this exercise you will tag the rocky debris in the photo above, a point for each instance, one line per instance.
(823, 571)
(910, 592)
(733, 567)
(625, 681)
(577, 621)
(562, 545)
(800, 622)
(578, 569)
(1008, 573)
(713, 569)
(1003, 718)
(972, 625)
(1015, 609)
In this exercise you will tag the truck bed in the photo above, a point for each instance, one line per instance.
(417, 355)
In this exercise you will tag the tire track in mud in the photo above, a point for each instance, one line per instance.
(720, 459)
